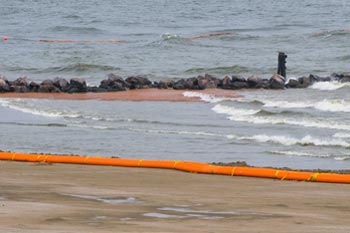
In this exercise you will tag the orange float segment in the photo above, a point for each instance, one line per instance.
(181, 165)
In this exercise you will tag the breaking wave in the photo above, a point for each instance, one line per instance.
(329, 86)
(252, 116)
(205, 97)
(308, 154)
(223, 70)
(289, 141)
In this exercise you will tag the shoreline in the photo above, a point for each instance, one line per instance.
(150, 94)
(70, 198)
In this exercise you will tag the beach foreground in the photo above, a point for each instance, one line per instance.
(40, 197)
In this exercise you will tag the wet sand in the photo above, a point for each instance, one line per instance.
(37, 197)
(151, 94)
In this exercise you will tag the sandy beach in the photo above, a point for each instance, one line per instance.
(131, 95)
(39, 197)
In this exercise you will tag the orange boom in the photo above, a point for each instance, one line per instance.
(195, 167)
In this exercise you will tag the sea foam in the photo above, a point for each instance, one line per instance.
(307, 140)
(205, 97)
(251, 116)
(329, 86)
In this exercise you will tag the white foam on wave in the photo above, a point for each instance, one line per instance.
(33, 111)
(222, 109)
(306, 154)
(341, 135)
(205, 97)
(329, 86)
(169, 36)
(180, 132)
(289, 141)
(327, 105)
(248, 115)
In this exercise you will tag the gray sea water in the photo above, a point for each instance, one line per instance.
(307, 128)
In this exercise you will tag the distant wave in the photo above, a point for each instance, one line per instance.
(329, 86)
(80, 30)
(80, 67)
(308, 154)
(34, 124)
(168, 36)
(289, 141)
(252, 116)
(219, 70)
(77, 67)
(331, 33)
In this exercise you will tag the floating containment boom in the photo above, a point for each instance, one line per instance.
(187, 166)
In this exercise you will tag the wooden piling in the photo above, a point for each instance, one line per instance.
(281, 70)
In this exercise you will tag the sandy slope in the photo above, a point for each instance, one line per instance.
(131, 95)
(78, 198)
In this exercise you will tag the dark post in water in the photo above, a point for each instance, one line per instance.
(281, 70)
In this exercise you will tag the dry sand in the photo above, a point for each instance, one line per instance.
(76, 198)
(151, 94)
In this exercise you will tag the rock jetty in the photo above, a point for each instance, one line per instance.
(113, 83)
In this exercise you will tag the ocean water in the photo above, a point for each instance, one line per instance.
(308, 128)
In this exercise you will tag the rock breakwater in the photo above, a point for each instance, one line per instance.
(114, 83)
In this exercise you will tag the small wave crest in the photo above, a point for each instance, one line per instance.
(79, 67)
(327, 105)
(260, 117)
(79, 30)
(290, 141)
(332, 33)
(205, 97)
(45, 113)
(329, 86)
(168, 36)
(222, 109)
(309, 154)
(223, 70)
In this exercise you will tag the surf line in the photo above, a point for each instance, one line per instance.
(80, 41)
(188, 166)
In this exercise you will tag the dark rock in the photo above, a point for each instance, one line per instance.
(165, 84)
(4, 86)
(239, 85)
(47, 82)
(33, 86)
(293, 83)
(208, 81)
(61, 83)
(254, 81)
(114, 83)
(48, 88)
(238, 79)
(191, 83)
(277, 82)
(20, 89)
(226, 83)
(22, 81)
(336, 77)
(96, 89)
(346, 78)
(314, 78)
(305, 81)
(138, 82)
(77, 85)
